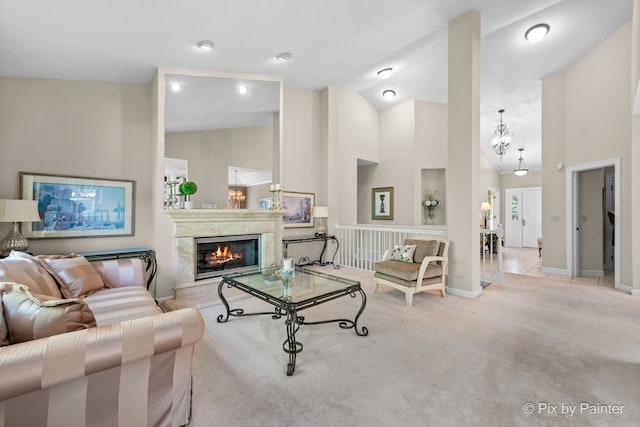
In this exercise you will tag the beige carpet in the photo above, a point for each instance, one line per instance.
(443, 362)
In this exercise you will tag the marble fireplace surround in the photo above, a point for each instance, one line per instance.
(191, 223)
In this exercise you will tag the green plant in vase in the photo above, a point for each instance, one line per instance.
(188, 188)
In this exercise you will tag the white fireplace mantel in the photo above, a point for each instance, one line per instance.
(191, 223)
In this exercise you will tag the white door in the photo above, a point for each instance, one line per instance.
(531, 217)
(523, 217)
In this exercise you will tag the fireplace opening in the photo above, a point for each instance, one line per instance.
(216, 256)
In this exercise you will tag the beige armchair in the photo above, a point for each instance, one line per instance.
(416, 266)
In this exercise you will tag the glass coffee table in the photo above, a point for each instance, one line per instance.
(290, 295)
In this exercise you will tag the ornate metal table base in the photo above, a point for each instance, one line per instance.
(293, 322)
(305, 260)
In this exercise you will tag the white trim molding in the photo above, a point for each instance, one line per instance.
(571, 219)
(465, 294)
(592, 273)
(560, 271)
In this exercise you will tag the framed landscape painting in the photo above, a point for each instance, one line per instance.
(382, 203)
(72, 206)
(297, 209)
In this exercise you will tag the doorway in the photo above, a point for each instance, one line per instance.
(578, 221)
(523, 217)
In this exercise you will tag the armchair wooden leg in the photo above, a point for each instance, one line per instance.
(408, 297)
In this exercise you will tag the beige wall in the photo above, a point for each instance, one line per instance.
(635, 144)
(412, 157)
(90, 129)
(302, 155)
(586, 119)
(354, 132)
(211, 152)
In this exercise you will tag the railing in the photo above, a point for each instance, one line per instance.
(491, 256)
(361, 246)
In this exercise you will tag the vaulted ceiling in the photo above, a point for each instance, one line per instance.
(332, 43)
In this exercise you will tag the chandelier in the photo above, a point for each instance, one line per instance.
(501, 137)
(236, 197)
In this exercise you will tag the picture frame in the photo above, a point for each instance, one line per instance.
(265, 203)
(382, 203)
(297, 209)
(75, 206)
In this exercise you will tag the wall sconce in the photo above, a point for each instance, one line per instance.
(321, 213)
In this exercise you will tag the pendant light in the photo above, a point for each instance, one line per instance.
(522, 166)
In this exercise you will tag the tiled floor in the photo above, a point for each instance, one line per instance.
(526, 261)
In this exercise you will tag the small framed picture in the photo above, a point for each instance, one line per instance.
(382, 203)
(297, 209)
(73, 206)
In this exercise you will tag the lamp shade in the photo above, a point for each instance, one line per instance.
(19, 210)
(320, 212)
(485, 206)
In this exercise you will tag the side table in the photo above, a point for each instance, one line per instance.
(306, 260)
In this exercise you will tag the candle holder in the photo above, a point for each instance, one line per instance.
(288, 268)
(172, 197)
(275, 198)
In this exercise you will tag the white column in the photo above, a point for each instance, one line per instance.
(463, 201)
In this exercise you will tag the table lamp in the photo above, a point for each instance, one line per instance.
(321, 213)
(17, 211)
(485, 208)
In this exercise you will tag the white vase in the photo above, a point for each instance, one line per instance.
(188, 204)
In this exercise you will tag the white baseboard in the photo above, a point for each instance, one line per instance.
(560, 271)
(634, 292)
(462, 293)
(591, 273)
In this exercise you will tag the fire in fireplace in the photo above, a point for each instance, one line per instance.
(220, 255)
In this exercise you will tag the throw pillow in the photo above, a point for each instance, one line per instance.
(424, 248)
(403, 253)
(118, 273)
(76, 275)
(30, 316)
(20, 267)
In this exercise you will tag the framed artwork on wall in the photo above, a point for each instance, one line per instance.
(382, 203)
(73, 206)
(297, 209)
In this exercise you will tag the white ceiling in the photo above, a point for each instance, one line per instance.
(332, 42)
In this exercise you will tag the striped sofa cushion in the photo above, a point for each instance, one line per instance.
(117, 273)
(136, 373)
(117, 304)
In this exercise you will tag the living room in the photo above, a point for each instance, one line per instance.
(110, 128)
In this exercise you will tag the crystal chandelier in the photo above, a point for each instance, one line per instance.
(236, 197)
(501, 137)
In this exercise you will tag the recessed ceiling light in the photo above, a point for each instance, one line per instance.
(243, 89)
(385, 73)
(176, 87)
(389, 94)
(284, 56)
(205, 44)
(537, 32)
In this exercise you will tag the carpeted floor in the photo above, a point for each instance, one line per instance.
(443, 362)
